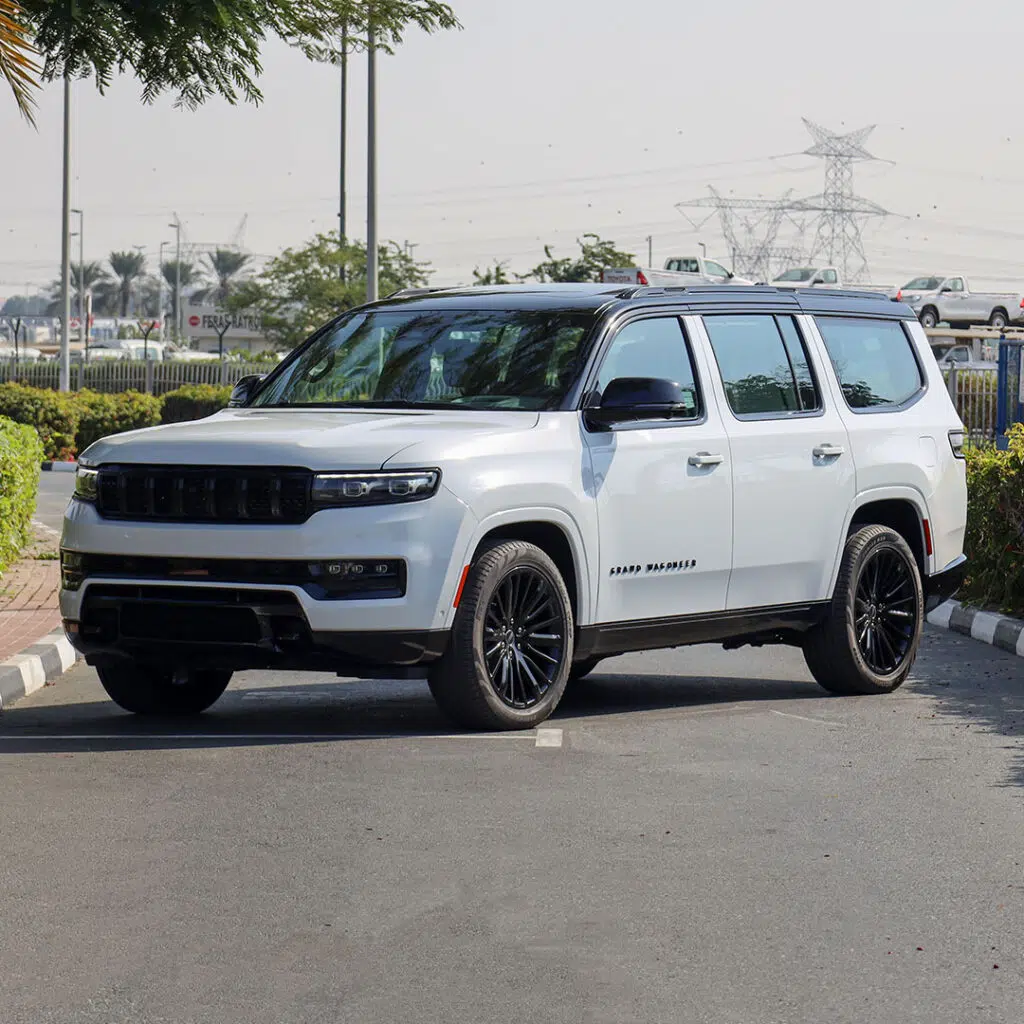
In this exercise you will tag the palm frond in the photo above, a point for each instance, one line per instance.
(18, 66)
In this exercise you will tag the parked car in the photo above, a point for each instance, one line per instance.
(961, 357)
(824, 277)
(936, 299)
(678, 271)
(497, 488)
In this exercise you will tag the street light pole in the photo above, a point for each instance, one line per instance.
(343, 198)
(177, 280)
(371, 165)
(650, 250)
(65, 247)
(81, 279)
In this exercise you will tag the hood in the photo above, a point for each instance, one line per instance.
(318, 439)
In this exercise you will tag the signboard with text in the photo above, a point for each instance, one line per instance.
(202, 321)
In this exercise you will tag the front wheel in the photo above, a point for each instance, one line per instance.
(149, 690)
(510, 650)
(869, 640)
(929, 318)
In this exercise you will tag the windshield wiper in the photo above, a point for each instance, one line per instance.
(391, 403)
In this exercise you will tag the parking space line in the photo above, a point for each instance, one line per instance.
(803, 718)
(549, 738)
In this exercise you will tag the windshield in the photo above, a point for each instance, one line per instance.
(924, 284)
(798, 274)
(506, 359)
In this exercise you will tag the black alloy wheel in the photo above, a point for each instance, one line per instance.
(886, 611)
(524, 637)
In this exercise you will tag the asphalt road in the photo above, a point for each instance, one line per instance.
(715, 840)
(55, 489)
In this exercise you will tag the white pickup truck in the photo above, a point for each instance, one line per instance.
(678, 270)
(935, 299)
(825, 277)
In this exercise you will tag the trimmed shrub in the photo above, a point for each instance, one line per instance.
(54, 415)
(193, 402)
(103, 414)
(995, 525)
(21, 452)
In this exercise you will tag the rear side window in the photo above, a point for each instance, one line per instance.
(873, 360)
(764, 365)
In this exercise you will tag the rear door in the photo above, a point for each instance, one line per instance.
(793, 473)
(663, 487)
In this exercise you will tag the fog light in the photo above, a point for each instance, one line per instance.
(72, 569)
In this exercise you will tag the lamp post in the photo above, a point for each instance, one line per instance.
(65, 247)
(163, 301)
(342, 226)
(82, 327)
(371, 165)
(177, 279)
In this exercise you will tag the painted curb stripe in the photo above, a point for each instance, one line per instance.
(996, 630)
(33, 668)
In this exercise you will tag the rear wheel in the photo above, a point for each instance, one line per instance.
(508, 658)
(998, 319)
(869, 641)
(149, 690)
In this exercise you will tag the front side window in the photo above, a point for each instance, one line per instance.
(764, 365)
(873, 360)
(503, 359)
(715, 269)
(956, 284)
(829, 277)
(653, 348)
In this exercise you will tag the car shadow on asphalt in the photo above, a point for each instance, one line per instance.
(330, 712)
(975, 686)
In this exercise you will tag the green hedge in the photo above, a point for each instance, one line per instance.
(193, 402)
(102, 414)
(20, 454)
(55, 416)
(995, 525)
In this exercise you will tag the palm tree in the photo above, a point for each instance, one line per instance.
(190, 275)
(127, 268)
(226, 265)
(17, 64)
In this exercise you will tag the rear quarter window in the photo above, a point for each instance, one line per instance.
(874, 361)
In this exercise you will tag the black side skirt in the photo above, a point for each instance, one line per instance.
(782, 624)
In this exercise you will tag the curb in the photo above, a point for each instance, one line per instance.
(59, 467)
(37, 665)
(990, 628)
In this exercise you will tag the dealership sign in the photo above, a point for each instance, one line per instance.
(210, 321)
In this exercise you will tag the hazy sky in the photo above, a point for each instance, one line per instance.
(543, 119)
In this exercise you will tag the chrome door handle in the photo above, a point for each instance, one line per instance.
(706, 459)
(828, 451)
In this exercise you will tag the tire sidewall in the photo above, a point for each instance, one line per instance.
(489, 578)
(893, 542)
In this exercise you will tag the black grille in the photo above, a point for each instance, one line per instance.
(216, 494)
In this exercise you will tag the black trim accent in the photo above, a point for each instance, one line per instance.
(781, 624)
(236, 629)
(943, 585)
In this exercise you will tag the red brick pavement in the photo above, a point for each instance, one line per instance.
(28, 602)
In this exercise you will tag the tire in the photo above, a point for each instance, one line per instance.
(148, 690)
(929, 317)
(855, 650)
(998, 319)
(582, 669)
(491, 676)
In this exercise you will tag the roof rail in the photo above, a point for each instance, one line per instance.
(407, 292)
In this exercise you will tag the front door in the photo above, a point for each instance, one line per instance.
(793, 471)
(663, 488)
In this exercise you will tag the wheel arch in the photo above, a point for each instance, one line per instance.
(556, 534)
(901, 509)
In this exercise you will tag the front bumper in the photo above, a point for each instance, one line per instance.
(945, 583)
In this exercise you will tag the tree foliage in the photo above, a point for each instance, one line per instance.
(496, 274)
(197, 49)
(302, 289)
(18, 66)
(225, 265)
(595, 255)
(127, 268)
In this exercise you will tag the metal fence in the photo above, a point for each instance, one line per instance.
(123, 375)
(975, 395)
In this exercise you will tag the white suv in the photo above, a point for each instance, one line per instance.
(496, 488)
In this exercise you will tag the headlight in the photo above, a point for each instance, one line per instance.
(86, 483)
(333, 490)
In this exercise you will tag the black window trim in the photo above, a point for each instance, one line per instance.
(750, 417)
(599, 351)
(876, 410)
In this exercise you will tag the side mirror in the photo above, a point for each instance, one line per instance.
(639, 398)
(817, 280)
(945, 288)
(244, 389)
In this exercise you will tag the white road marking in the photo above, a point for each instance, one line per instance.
(803, 718)
(549, 738)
